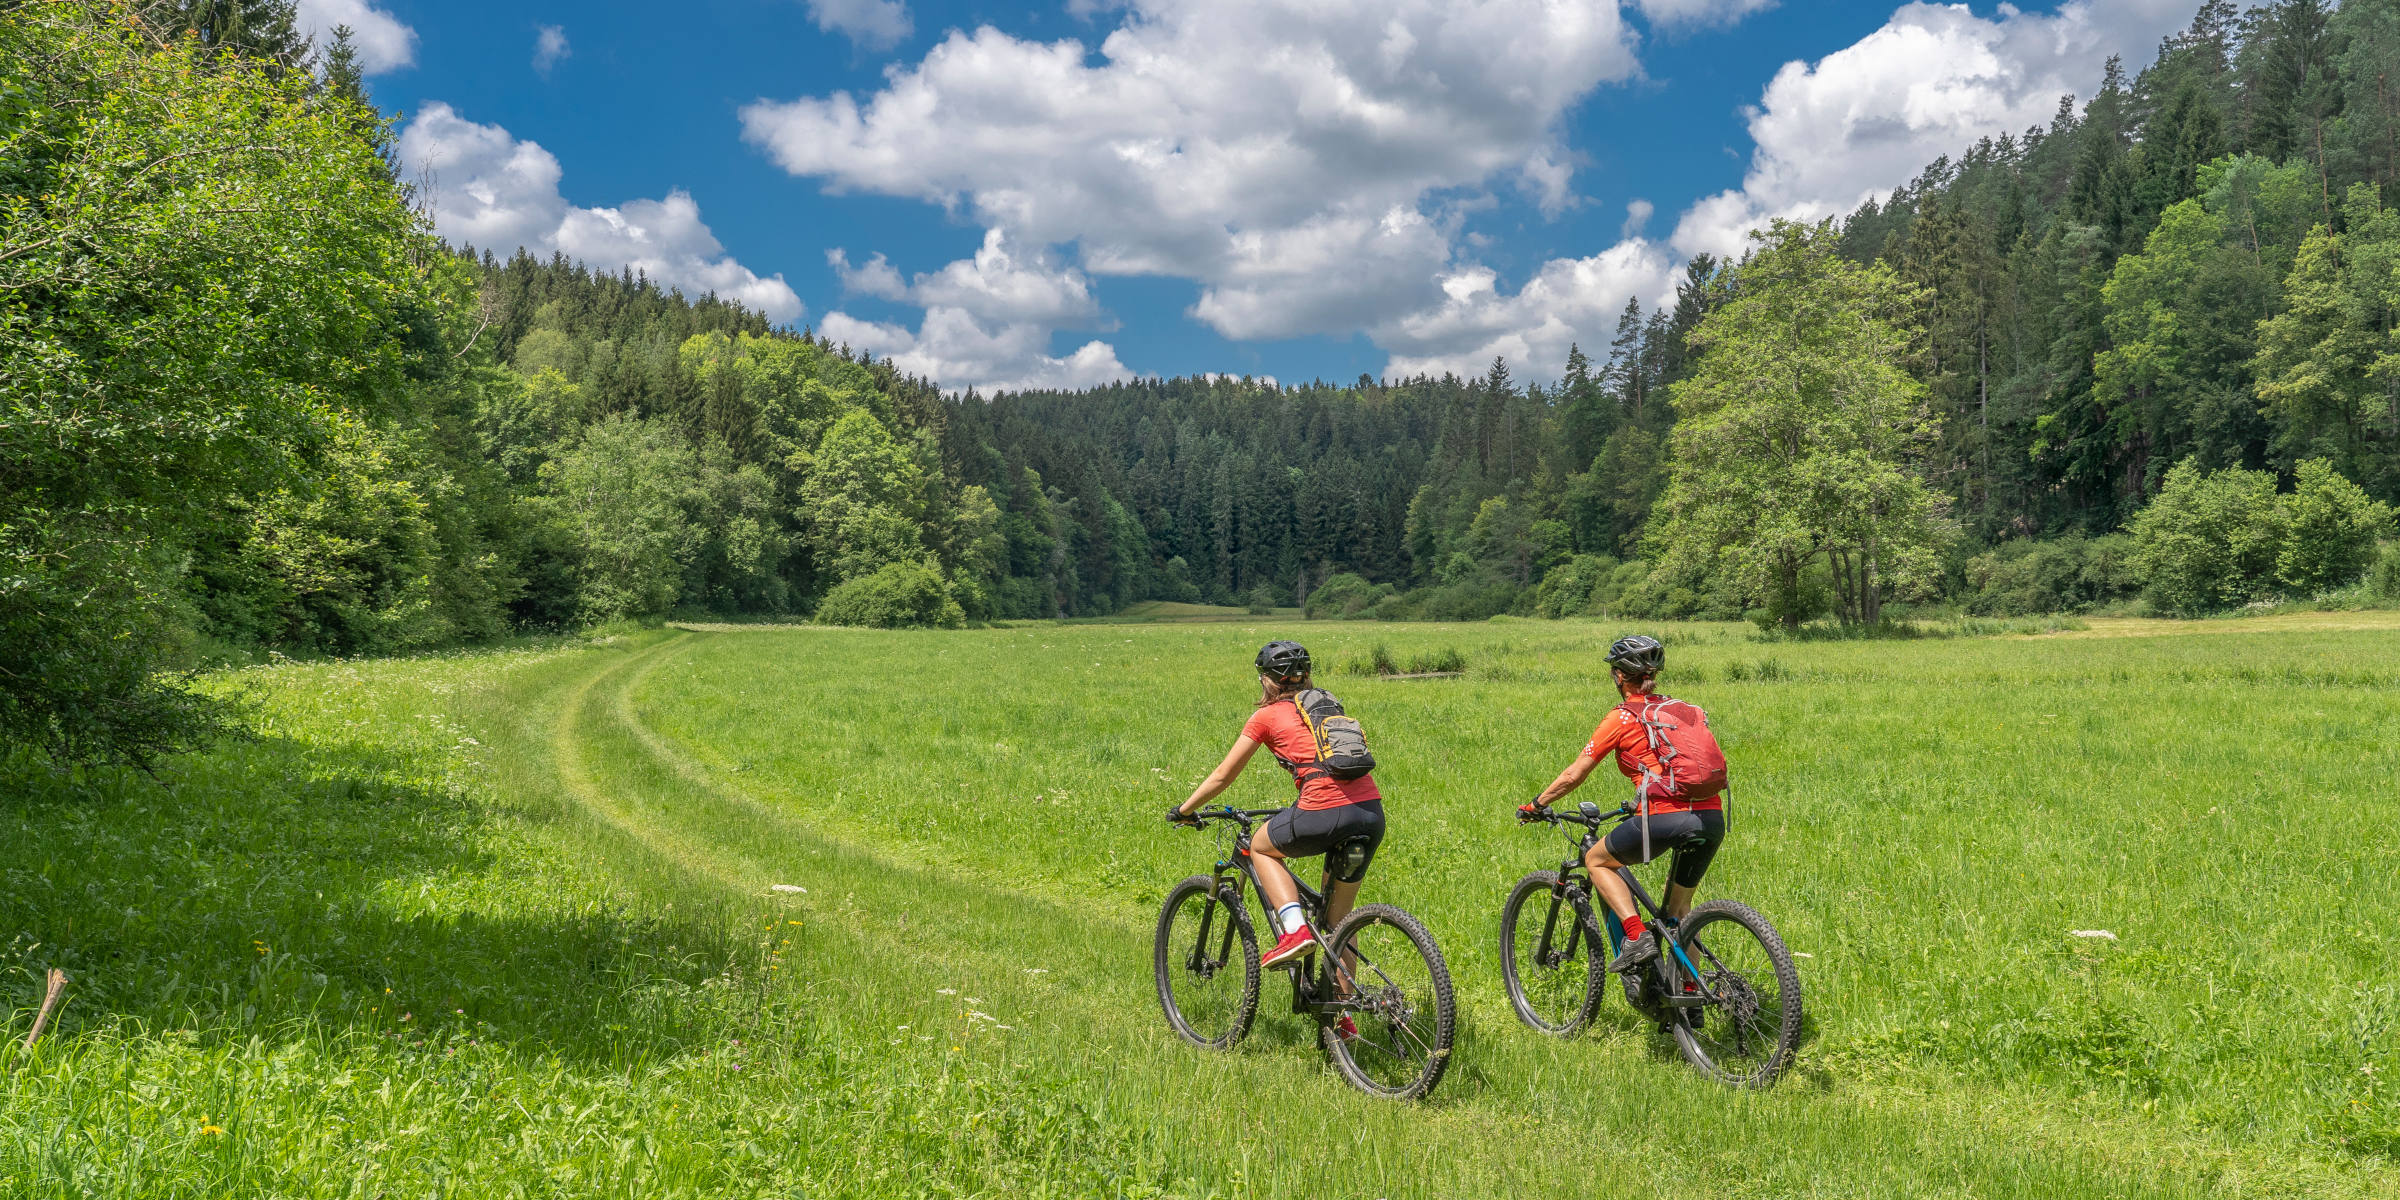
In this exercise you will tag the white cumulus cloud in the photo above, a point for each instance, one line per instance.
(1668, 13)
(549, 46)
(1570, 300)
(874, 24)
(384, 44)
(1637, 218)
(1829, 134)
(988, 319)
(1306, 162)
(491, 190)
(1931, 81)
(958, 350)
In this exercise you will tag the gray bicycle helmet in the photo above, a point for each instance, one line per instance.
(1637, 654)
(1283, 660)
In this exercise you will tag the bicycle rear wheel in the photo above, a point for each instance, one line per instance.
(1206, 959)
(1746, 1035)
(1400, 987)
(1549, 961)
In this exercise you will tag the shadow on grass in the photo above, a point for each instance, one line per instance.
(277, 881)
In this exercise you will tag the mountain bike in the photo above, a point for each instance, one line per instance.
(1724, 986)
(1380, 968)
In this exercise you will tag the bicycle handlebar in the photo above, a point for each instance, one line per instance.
(1592, 817)
(1226, 812)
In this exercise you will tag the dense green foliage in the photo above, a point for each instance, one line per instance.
(501, 924)
(1795, 437)
(326, 433)
(202, 307)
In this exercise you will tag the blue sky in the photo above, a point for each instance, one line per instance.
(1277, 187)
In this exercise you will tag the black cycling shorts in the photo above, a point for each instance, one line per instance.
(1301, 832)
(1693, 836)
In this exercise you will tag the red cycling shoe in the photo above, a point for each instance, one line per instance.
(1289, 948)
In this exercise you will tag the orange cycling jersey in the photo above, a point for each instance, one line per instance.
(1281, 730)
(1623, 736)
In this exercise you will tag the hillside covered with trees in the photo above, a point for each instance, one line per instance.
(254, 404)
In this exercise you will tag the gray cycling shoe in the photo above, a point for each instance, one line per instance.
(1638, 952)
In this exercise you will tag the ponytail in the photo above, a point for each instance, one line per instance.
(1280, 690)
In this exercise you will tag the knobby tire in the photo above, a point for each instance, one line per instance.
(1404, 1044)
(1211, 1005)
(1748, 1035)
(1558, 996)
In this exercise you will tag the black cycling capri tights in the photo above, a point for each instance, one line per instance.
(1693, 836)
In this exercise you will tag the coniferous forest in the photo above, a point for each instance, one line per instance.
(2141, 356)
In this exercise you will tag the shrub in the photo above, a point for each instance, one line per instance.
(2209, 541)
(1345, 595)
(897, 595)
(2074, 573)
(1466, 600)
(1570, 587)
(2386, 580)
(1804, 599)
(2331, 527)
(1262, 600)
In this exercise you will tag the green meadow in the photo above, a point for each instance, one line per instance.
(782, 913)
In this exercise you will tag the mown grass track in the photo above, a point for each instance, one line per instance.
(968, 810)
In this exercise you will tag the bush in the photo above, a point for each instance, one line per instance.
(2209, 541)
(2331, 527)
(1467, 600)
(1345, 595)
(898, 595)
(1804, 600)
(1571, 587)
(1262, 600)
(2074, 573)
(2386, 580)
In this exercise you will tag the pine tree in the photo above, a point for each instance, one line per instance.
(264, 30)
(1584, 414)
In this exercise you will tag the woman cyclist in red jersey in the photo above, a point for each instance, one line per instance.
(1330, 813)
(1693, 831)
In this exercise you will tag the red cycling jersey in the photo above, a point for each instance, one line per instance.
(1281, 730)
(1623, 736)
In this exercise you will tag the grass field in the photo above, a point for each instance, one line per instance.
(505, 924)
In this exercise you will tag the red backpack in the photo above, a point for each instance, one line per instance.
(1692, 764)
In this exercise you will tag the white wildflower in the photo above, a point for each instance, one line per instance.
(946, 991)
(789, 889)
(1802, 954)
(2092, 933)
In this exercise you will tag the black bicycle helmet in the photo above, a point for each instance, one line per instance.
(1283, 660)
(1637, 655)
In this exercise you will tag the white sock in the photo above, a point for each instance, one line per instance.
(1288, 918)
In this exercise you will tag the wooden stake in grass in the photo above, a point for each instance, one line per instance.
(50, 1002)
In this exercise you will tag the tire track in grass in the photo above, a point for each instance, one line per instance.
(1102, 1029)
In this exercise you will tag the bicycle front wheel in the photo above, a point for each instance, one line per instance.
(1747, 1033)
(1397, 990)
(1548, 959)
(1207, 964)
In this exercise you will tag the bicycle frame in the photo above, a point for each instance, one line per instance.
(1313, 992)
(1674, 968)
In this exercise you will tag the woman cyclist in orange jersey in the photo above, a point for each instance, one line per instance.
(1330, 812)
(1693, 831)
